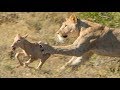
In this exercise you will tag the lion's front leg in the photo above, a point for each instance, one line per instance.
(80, 60)
(68, 64)
(75, 62)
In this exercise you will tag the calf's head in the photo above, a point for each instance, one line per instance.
(18, 41)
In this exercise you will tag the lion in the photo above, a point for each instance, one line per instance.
(72, 28)
(99, 40)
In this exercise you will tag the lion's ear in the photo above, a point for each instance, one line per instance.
(73, 18)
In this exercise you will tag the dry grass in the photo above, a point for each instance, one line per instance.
(41, 26)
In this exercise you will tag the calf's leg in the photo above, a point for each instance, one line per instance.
(17, 57)
(41, 63)
(28, 62)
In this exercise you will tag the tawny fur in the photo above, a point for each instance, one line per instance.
(98, 39)
(72, 28)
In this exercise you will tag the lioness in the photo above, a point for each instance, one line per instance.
(73, 27)
(99, 40)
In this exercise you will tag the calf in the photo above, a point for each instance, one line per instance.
(31, 50)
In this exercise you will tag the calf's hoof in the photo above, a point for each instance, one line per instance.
(38, 68)
(25, 65)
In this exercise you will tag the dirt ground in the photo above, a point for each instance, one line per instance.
(41, 26)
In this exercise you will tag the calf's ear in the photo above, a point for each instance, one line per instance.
(18, 35)
(25, 36)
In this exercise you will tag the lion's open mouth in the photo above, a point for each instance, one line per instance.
(65, 36)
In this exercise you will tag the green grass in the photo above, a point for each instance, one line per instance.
(111, 19)
(41, 26)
